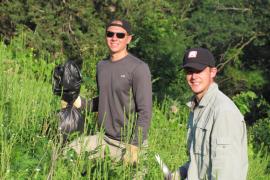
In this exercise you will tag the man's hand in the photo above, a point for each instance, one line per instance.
(77, 103)
(132, 154)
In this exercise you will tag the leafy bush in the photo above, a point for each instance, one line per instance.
(259, 134)
(163, 29)
(243, 101)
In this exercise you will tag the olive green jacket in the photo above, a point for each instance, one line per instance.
(217, 139)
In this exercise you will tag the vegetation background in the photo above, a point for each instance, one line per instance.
(37, 35)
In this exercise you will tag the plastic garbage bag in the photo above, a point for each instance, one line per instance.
(67, 81)
(71, 120)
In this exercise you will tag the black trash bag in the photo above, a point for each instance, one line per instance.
(71, 120)
(67, 81)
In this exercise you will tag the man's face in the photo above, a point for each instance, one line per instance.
(117, 39)
(199, 81)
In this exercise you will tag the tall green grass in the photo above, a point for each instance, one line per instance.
(30, 145)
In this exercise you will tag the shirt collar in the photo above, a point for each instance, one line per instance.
(205, 99)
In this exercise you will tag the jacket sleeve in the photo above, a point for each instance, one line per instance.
(142, 92)
(229, 146)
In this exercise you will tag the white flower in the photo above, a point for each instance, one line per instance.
(174, 109)
(37, 169)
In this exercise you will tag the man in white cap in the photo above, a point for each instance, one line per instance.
(217, 136)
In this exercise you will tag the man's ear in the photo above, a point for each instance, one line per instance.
(213, 71)
(129, 39)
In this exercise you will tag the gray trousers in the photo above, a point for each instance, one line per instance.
(97, 145)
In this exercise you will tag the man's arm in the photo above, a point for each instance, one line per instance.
(228, 145)
(142, 91)
(81, 103)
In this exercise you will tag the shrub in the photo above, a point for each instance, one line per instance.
(259, 135)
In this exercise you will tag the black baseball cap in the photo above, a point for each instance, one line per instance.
(120, 23)
(198, 58)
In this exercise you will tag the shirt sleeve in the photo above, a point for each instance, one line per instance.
(229, 147)
(142, 91)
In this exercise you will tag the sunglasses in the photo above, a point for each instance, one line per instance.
(119, 35)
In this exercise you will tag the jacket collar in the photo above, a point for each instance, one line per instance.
(205, 99)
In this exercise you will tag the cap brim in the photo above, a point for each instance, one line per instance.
(196, 66)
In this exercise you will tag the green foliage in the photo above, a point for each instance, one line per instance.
(259, 147)
(216, 25)
(236, 31)
(161, 43)
(60, 30)
(231, 29)
(243, 101)
(258, 165)
(29, 142)
(242, 81)
(24, 102)
(260, 133)
(252, 106)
